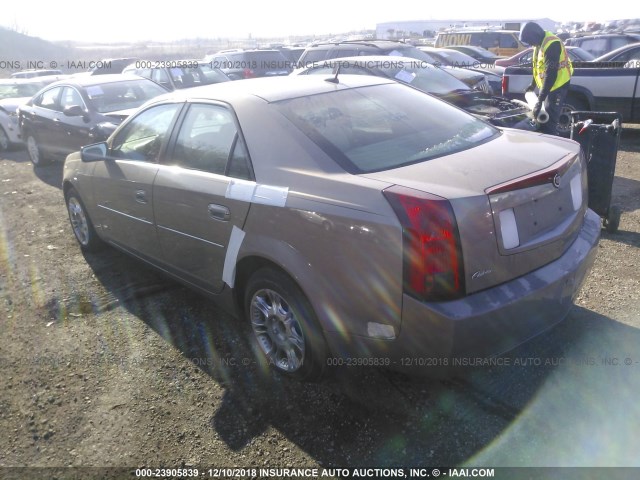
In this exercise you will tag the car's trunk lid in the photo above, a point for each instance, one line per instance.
(518, 201)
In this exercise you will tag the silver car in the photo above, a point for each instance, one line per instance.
(442, 237)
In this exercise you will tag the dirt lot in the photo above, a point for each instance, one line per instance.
(107, 363)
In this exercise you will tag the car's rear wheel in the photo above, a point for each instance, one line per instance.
(571, 104)
(284, 325)
(81, 223)
(612, 222)
(4, 141)
(37, 156)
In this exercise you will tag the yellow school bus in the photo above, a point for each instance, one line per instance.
(504, 43)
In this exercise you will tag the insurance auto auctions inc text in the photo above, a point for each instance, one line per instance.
(309, 473)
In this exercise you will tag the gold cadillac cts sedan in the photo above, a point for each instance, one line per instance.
(344, 217)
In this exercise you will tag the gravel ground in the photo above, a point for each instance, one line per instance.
(108, 364)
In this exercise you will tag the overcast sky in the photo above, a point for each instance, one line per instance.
(128, 20)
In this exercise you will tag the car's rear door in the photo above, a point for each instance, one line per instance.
(42, 120)
(194, 211)
(123, 183)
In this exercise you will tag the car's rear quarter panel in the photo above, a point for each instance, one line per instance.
(350, 267)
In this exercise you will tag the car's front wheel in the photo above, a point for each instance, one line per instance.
(37, 156)
(81, 223)
(284, 325)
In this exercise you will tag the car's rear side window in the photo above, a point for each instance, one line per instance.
(384, 126)
(209, 141)
(312, 56)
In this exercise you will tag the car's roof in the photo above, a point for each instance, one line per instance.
(89, 80)
(605, 35)
(371, 60)
(273, 89)
(250, 50)
(382, 44)
(477, 30)
(20, 81)
(475, 48)
(35, 73)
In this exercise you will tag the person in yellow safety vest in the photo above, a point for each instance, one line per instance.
(552, 71)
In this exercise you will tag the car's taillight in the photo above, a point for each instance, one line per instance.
(248, 73)
(433, 268)
(505, 84)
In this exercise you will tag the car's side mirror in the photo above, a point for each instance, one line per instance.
(94, 152)
(74, 111)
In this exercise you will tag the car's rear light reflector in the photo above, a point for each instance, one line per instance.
(381, 330)
(509, 229)
(433, 268)
(505, 84)
(248, 73)
(576, 192)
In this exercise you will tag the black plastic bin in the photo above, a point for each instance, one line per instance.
(599, 136)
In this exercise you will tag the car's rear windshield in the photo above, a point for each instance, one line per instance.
(381, 127)
(111, 97)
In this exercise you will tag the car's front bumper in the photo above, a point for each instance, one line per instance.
(480, 325)
(11, 128)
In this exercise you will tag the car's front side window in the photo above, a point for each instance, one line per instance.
(142, 138)
(70, 96)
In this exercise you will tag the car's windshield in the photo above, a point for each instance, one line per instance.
(483, 52)
(20, 90)
(212, 75)
(111, 97)
(458, 59)
(422, 76)
(580, 54)
(185, 77)
(382, 127)
(412, 52)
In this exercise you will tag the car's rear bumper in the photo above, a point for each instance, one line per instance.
(481, 325)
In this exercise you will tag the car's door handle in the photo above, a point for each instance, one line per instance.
(141, 196)
(219, 212)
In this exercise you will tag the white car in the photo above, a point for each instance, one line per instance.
(13, 93)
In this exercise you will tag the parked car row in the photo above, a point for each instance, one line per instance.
(79, 111)
(13, 93)
(42, 117)
(427, 78)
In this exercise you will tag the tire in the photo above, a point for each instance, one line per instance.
(571, 104)
(612, 222)
(5, 144)
(37, 156)
(284, 326)
(81, 224)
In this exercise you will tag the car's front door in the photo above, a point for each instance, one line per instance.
(123, 182)
(76, 130)
(194, 215)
